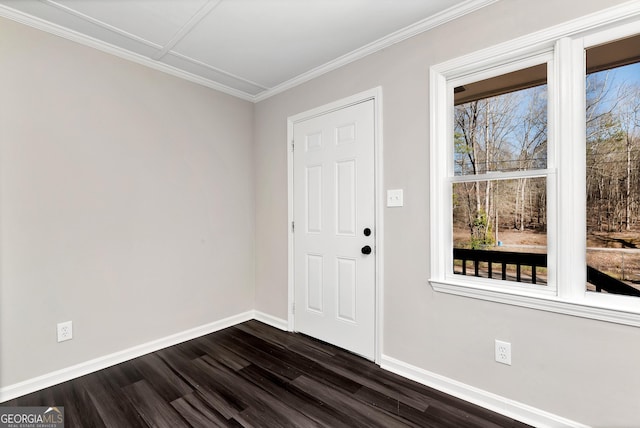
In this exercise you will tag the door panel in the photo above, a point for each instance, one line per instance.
(346, 197)
(313, 196)
(333, 204)
(346, 281)
(315, 283)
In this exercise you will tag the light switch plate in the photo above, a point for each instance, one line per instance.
(395, 198)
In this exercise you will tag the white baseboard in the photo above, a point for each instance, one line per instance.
(278, 323)
(68, 373)
(496, 403)
(504, 406)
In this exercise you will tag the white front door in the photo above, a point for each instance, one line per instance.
(334, 215)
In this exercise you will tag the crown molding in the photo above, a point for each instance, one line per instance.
(610, 15)
(382, 43)
(396, 37)
(57, 30)
(599, 19)
(542, 40)
(101, 24)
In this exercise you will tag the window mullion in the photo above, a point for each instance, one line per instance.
(441, 143)
(569, 108)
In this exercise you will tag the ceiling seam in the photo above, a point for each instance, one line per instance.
(163, 51)
(264, 92)
(101, 24)
(187, 28)
(74, 36)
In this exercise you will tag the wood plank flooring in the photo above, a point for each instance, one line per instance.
(253, 375)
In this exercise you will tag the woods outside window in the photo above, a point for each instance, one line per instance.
(535, 174)
(499, 186)
(613, 167)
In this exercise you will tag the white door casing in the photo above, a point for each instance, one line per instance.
(333, 201)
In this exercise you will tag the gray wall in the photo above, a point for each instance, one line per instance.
(127, 203)
(581, 369)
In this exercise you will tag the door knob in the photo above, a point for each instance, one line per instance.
(366, 231)
(366, 249)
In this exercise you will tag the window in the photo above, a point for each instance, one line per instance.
(613, 167)
(499, 223)
(535, 171)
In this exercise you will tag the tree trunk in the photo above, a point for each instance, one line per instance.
(627, 196)
(523, 210)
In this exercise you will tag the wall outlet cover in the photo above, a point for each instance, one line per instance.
(503, 352)
(65, 331)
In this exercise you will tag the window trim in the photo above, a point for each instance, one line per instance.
(562, 47)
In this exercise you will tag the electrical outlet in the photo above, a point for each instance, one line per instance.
(503, 352)
(65, 331)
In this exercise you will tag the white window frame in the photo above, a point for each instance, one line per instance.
(562, 49)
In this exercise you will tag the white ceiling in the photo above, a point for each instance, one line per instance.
(248, 48)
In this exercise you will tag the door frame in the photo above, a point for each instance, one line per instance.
(374, 94)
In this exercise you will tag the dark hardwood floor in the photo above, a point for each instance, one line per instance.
(253, 375)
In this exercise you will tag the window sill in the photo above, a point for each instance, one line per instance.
(590, 308)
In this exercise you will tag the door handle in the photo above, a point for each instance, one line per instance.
(366, 231)
(366, 249)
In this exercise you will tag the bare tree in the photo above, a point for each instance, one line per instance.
(613, 132)
(502, 133)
